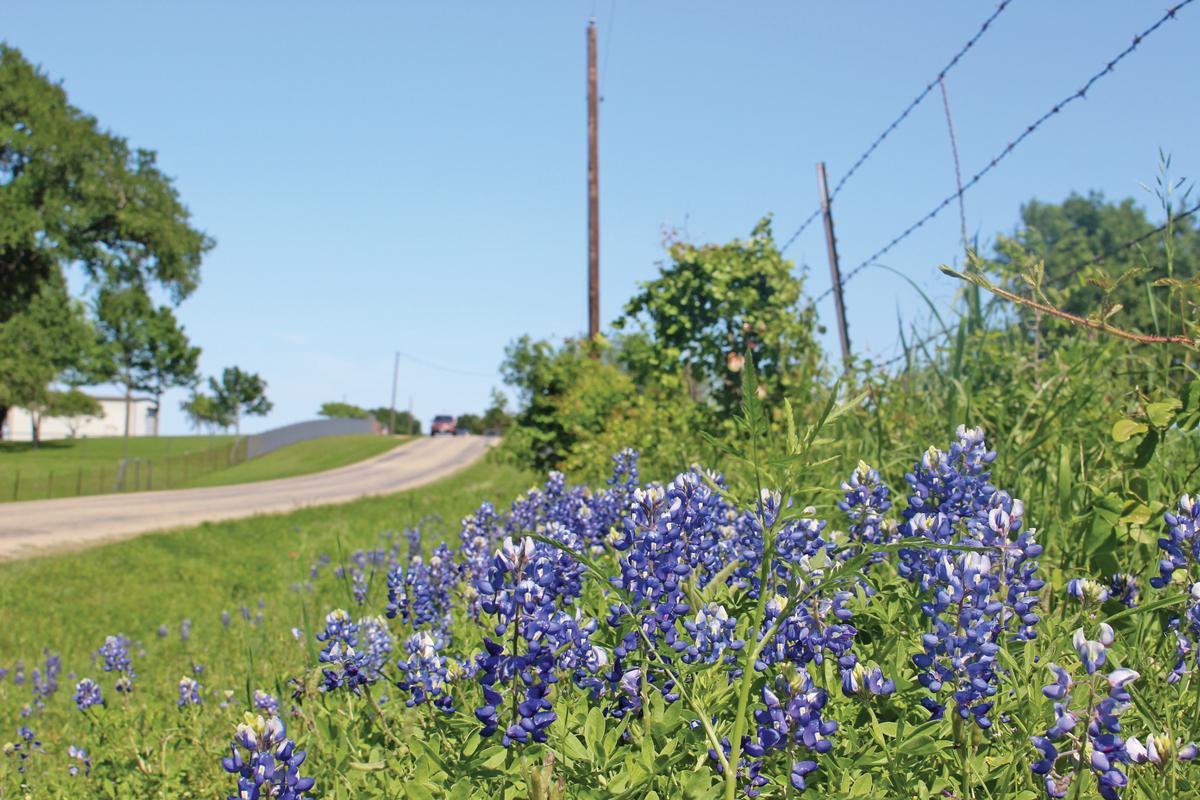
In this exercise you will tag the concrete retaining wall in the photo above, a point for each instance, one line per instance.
(263, 443)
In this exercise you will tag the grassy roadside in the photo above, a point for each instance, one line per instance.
(302, 458)
(68, 603)
(71, 467)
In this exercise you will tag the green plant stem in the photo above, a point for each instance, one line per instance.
(748, 673)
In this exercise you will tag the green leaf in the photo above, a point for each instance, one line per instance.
(593, 733)
(1125, 429)
(1162, 414)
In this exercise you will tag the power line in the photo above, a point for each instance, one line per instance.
(1012, 145)
(916, 101)
(441, 368)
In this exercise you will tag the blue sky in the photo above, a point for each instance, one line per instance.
(384, 176)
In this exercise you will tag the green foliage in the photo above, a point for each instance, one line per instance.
(405, 423)
(469, 423)
(140, 347)
(239, 393)
(715, 303)
(72, 193)
(1057, 239)
(343, 411)
(496, 416)
(38, 344)
(204, 411)
(73, 406)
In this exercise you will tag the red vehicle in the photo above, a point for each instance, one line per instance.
(443, 424)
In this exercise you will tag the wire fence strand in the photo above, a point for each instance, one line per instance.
(916, 101)
(1012, 145)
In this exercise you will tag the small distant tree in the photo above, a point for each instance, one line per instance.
(203, 411)
(239, 393)
(405, 422)
(471, 423)
(343, 411)
(169, 360)
(73, 407)
(39, 344)
(496, 416)
(141, 347)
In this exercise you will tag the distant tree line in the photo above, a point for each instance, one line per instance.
(494, 419)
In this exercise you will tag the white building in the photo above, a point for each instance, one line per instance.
(18, 427)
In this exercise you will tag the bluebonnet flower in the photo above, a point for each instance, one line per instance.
(866, 501)
(425, 674)
(189, 692)
(162, 631)
(44, 680)
(115, 655)
(26, 745)
(1159, 750)
(265, 701)
(1180, 565)
(1123, 587)
(185, 630)
(87, 694)
(711, 635)
(1092, 736)
(225, 619)
(976, 599)
(80, 755)
(791, 715)
(863, 681)
(1087, 591)
(271, 767)
(524, 589)
(356, 652)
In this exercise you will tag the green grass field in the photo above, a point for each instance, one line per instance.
(70, 602)
(72, 467)
(301, 458)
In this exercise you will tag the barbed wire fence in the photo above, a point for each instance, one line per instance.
(895, 123)
(989, 166)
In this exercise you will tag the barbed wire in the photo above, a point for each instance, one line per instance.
(903, 115)
(1012, 145)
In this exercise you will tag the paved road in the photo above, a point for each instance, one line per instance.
(29, 527)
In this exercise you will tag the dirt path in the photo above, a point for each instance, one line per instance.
(27, 528)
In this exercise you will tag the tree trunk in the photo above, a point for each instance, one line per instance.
(35, 422)
(3, 419)
(157, 412)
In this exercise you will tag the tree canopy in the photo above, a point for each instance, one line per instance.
(239, 393)
(1080, 242)
(711, 305)
(343, 411)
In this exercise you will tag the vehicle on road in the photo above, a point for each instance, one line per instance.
(443, 425)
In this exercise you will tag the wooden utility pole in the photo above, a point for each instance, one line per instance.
(395, 376)
(410, 416)
(835, 273)
(593, 189)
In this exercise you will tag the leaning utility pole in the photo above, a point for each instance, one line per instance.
(593, 189)
(395, 375)
(834, 273)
